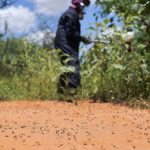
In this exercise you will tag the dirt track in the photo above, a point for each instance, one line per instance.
(64, 126)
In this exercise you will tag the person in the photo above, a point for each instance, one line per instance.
(67, 40)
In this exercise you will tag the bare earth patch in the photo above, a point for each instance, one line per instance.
(64, 126)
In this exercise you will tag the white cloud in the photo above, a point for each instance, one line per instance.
(39, 37)
(52, 7)
(93, 1)
(19, 19)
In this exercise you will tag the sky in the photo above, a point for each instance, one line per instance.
(24, 16)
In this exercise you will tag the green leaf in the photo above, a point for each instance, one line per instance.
(106, 21)
(99, 25)
(118, 66)
(64, 69)
(141, 46)
(91, 28)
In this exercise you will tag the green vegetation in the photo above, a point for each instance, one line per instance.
(116, 72)
(120, 71)
(27, 71)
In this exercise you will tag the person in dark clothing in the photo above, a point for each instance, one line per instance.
(68, 39)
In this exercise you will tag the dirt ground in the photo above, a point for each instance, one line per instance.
(64, 126)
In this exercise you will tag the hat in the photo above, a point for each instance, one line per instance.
(76, 1)
(85, 2)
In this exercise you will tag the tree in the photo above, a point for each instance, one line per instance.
(115, 71)
(133, 13)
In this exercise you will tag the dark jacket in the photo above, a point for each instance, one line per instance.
(68, 33)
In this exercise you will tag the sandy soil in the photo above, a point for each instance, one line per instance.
(64, 126)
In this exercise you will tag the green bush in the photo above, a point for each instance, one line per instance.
(29, 72)
(113, 73)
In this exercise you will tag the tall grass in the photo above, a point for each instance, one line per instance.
(114, 74)
(29, 73)
(109, 72)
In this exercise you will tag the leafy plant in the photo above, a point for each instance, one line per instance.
(113, 73)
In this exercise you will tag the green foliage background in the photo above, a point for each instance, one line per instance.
(113, 73)
(27, 71)
(109, 71)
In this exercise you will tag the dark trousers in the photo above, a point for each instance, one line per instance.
(69, 80)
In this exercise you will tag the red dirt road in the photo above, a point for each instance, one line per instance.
(63, 126)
